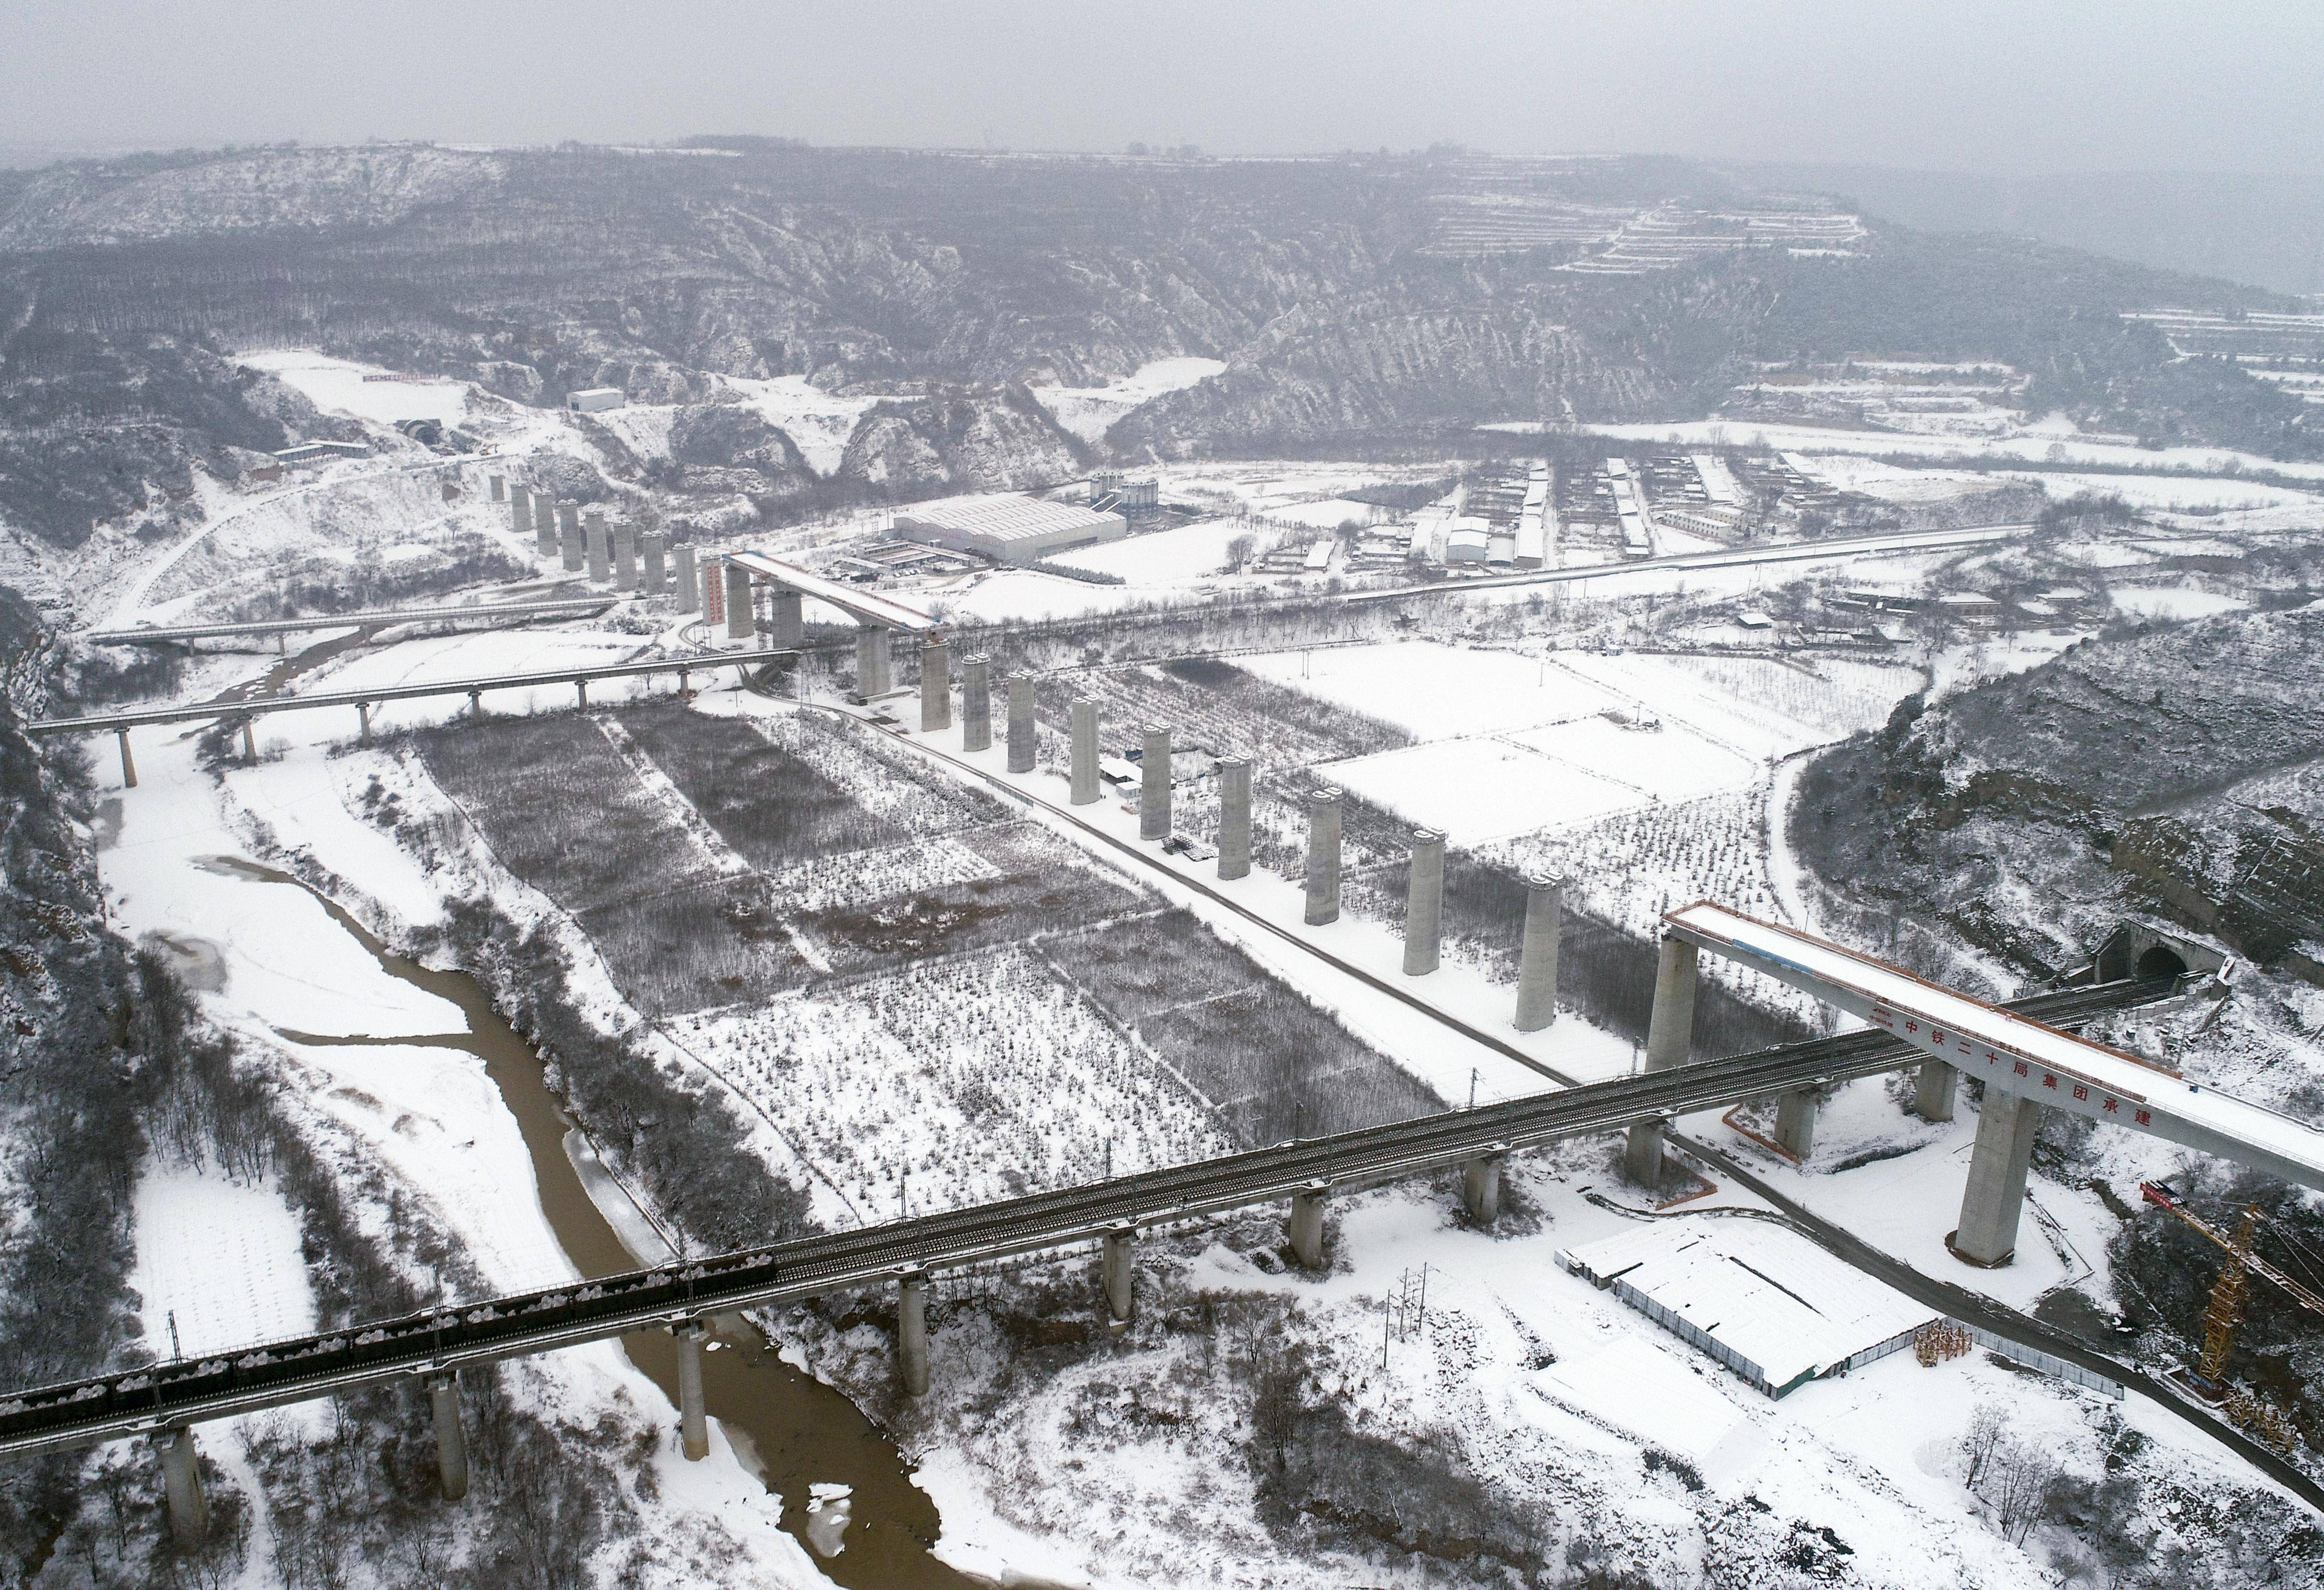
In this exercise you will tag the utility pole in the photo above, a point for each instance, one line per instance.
(1472, 1086)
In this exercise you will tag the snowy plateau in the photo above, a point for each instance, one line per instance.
(382, 965)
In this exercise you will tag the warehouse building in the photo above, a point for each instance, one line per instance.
(1007, 527)
(1767, 1302)
(596, 399)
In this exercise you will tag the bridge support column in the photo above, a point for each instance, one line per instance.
(625, 558)
(1544, 919)
(693, 1418)
(363, 723)
(741, 622)
(976, 702)
(1323, 856)
(476, 705)
(912, 1332)
(1796, 1114)
(181, 1482)
(496, 488)
(601, 562)
(1121, 1253)
(1234, 817)
(128, 765)
(871, 662)
(1153, 784)
(1987, 1233)
(787, 619)
(656, 575)
(689, 584)
(935, 686)
(249, 741)
(1670, 1030)
(1021, 741)
(451, 1440)
(520, 504)
(1084, 761)
(1480, 1189)
(1306, 1226)
(1933, 1090)
(1424, 904)
(582, 685)
(566, 517)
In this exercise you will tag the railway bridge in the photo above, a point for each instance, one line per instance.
(166, 1400)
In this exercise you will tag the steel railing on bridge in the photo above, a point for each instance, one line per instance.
(156, 634)
(223, 1385)
(679, 662)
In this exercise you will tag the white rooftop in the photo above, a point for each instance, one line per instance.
(1007, 516)
(1769, 1295)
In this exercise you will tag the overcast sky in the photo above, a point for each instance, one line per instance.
(2032, 87)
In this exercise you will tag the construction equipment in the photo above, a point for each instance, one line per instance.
(2225, 1311)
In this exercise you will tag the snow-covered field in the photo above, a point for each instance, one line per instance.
(1813, 440)
(1089, 412)
(367, 391)
(817, 422)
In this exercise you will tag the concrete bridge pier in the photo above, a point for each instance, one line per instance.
(601, 558)
(1987, 1233)
(1480, 1189)
(495, 488)
(476, 706)
(1121, 1253)
(181, 1482)
(1084, 763)
(690, 588)
(976, 702)
(912, 1332)
(935, 686)
(451, 1440)
(250, 738)
(871, 661)
(1933, 1090)
(1670, 1030)
(566, 517)
(656, 579)
(520, 504)
(787, 619)
(363, 721)
(1021, 741)
(1234, 817)
(740, 621)
(1423, 904)
(582, 686)
(129, 767)
(1323, 856)
(1796, 1115)
(1153, 784)
(625, 558)
(693, 1419)
(1306, 1226)
(713, 592)
(1544, 919)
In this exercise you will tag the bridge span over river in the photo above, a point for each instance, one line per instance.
(1912, 1023)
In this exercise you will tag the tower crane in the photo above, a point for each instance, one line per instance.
(2225, 1311)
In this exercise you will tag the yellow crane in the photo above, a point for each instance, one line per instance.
(2225, 1311)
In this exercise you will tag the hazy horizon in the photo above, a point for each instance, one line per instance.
(1973, 87)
